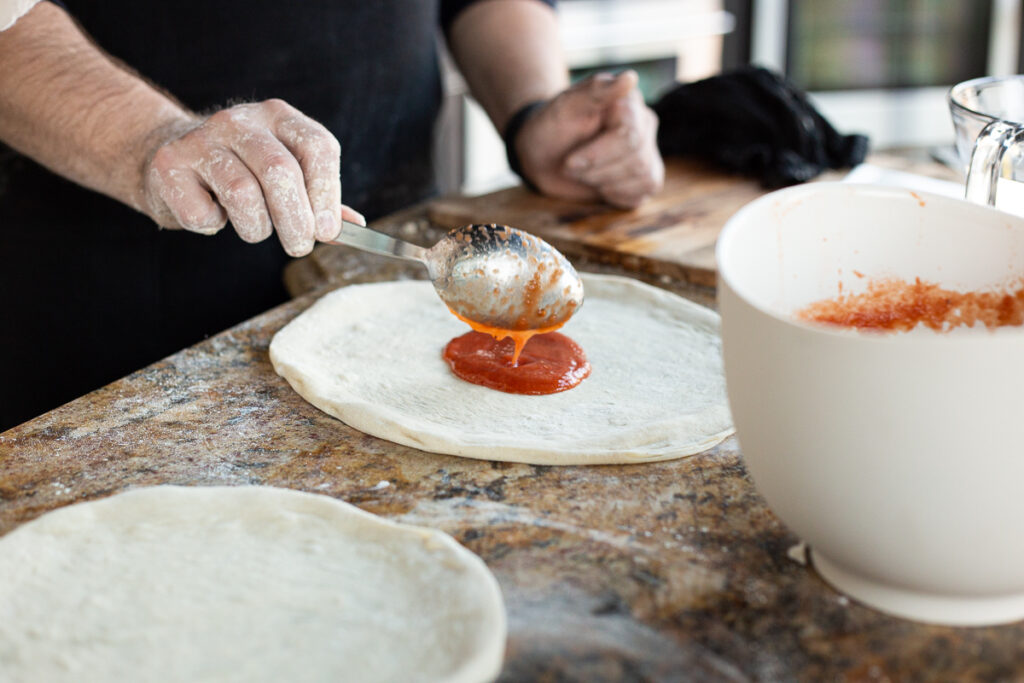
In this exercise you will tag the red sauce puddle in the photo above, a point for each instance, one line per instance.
(548, 364)
(897, 305)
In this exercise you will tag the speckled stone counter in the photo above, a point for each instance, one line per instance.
(670, 571)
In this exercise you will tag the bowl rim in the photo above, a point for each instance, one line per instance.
(729, 236)
(955, 90)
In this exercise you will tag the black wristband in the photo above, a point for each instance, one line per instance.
(512, 129)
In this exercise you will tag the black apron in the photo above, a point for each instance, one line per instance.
(92, 290)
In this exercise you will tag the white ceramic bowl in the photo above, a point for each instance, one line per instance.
(899, 458)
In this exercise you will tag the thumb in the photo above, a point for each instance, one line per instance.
(598, 93)
(605, 89)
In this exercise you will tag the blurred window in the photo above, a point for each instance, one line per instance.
(842, 45)
(881, 67)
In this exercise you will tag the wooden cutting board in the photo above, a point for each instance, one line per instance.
(672, 234)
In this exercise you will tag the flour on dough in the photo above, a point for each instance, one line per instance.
(370, 355)
(241, 584)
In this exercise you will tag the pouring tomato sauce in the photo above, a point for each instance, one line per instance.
(517, 361)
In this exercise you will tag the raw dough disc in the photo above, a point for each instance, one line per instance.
(370, 355)
(241, 584)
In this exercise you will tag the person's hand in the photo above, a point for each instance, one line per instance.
(595, 140)
(264, 166)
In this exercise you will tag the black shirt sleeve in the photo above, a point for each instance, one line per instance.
(451, 9)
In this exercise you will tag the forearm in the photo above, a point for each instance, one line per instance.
(509, 53)
(67, 105)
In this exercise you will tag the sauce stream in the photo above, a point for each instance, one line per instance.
(519, 337)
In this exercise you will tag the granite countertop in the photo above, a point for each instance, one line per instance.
(669, 571)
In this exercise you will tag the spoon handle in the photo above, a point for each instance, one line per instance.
(357, 236)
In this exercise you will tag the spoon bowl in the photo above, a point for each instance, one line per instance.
(494, 275)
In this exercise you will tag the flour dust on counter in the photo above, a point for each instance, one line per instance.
(241, 584)
(371, 355)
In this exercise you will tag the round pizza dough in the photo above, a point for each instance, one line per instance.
(241, 584)
(370, 355)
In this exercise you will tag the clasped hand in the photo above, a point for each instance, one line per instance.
(596, 140)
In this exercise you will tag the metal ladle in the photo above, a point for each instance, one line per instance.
(492, 274)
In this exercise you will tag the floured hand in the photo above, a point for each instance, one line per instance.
(595, 140)
(264, 166)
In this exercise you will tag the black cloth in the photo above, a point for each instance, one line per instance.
(92, 290)
(754, 122)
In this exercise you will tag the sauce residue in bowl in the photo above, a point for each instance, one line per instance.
(896, 305)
